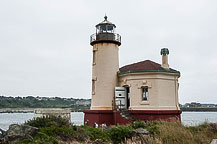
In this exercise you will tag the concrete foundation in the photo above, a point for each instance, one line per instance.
(64, 113)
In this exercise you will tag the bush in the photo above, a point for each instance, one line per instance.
(63, 132)
(153, 126)
(96, 133)
(120, 133)
(55, 128)
(138, 124)
(213, 127)
(40, 138)
(48, 121)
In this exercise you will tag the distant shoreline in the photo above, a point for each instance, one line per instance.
(31, 110)
(199, 109)
(23, 110)
(17, 110)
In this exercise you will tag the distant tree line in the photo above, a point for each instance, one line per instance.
(44, 102)
(196, 106)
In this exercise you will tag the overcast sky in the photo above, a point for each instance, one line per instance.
(45, 50)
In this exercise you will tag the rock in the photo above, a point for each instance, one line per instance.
(17, 132)
(214, 141)
(141, 131)
(2, 133)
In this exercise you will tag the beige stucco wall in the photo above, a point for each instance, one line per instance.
(162, 89)
(104, 75)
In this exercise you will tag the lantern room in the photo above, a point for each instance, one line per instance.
(105, 27)
(105, 32)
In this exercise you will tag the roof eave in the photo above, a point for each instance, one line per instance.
(150, 71)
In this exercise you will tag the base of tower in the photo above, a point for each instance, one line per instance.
(111, 117)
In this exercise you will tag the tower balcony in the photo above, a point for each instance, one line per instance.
(105, 38)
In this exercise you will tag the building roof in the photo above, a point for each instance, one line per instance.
(145, 66)
(105, 22)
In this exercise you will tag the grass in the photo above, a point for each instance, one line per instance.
(176, 133)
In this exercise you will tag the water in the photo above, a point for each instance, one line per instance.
(188, 118)
(195, 118)
(6, 119)
(13, 118)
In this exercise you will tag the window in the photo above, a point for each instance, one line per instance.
(145, 93)
(94, 57)
(93, 86)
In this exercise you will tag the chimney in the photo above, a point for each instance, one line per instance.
(165, 52)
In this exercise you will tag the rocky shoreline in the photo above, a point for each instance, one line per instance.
(16, 132)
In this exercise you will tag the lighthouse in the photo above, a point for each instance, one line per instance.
(105, 65)
(142, 91)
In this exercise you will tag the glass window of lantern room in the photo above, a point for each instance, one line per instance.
(102, 28)
(145, 93)
(110, 28)
(98, 29)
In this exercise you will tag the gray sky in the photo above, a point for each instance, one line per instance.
(45, 51)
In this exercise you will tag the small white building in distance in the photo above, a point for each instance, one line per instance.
(144, 90)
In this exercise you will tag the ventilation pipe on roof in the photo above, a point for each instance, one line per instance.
(164, 52)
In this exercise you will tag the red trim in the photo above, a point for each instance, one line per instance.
(113, 117)
(162, 112)
(98, 111)
(98, 116)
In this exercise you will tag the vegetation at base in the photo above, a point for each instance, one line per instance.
(55, 130)
(96, 133)
(120, 133)
(40, 122)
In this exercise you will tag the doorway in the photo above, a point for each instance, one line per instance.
(127, 89)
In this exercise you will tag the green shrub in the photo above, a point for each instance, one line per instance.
(40, 138)
(154, 129)
(96, 133)
(213, 127)
(153, 126)
(48, 121)
(138, 124)
(120, 133)
(194, 129)
(62, 132)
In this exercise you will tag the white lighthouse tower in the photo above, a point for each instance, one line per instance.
(105, 65)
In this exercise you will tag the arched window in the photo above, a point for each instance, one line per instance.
(145, 94)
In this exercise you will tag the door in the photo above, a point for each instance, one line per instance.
(127, 89)
(121, 97)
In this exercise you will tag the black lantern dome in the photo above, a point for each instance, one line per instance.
(105, 32)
